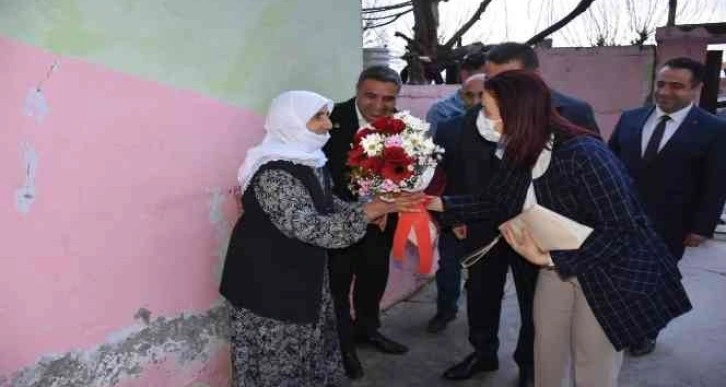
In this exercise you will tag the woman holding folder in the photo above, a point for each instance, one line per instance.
(621, 285)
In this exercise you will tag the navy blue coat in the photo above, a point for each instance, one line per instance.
(471, 162)
(627, 274)
(575, 110)
(684, 187)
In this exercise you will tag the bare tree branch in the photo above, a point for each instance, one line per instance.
(387, 7)
(404, 37)
(383, 17)
(474, 18)
(397, 16)
(581, 7)
(672, 7)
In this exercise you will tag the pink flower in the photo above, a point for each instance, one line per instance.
(396, 141)
(389, 186)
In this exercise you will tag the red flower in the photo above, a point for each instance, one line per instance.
(395, 172)
(372, 164)
(380, 123)
(396, 155)
(396, 164)
(389, 125)
(361, 134)
(397, 126)
(356, 156)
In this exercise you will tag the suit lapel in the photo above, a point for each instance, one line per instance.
(679, 138)
(345, 124)
(633, 145)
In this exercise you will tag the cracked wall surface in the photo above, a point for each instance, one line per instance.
(185, 339)
(124, 124)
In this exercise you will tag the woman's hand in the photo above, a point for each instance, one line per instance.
(434, 203)
(405, 202)
(524, 245)
(381, 222)
(409, 201)
(377, 208)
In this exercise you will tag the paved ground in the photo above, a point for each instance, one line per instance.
(691, 351)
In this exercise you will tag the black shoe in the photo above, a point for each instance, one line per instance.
(473, 364)
(526, 377)
(353, 368)
(382, 343)
(643, 348)
(439, 322)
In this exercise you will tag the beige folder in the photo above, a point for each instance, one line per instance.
(550, 230)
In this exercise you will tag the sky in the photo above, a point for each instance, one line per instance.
(518, 20)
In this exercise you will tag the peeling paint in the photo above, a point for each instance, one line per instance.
(143, 314)
(186, 338)
(36, 105)
(25, 195)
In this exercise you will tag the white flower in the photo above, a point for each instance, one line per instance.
(416, 143)
(415, 123)
(402, 115)
(372, 144)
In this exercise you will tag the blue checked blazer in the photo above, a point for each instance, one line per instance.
(627, 273)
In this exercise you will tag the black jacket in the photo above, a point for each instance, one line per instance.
(345, 125)
(269, 273)
(684, 187)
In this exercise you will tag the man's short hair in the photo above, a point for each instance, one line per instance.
(697, 69)
(473, 61)
(381, 74)
(512, 51)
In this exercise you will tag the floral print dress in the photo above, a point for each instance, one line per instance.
(269, 352)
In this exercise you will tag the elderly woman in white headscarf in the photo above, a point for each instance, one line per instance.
(282, 318)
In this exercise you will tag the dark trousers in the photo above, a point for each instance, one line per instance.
(484, 292)
(448, 276)
(363, 265)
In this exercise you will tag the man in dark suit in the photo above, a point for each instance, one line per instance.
(367, 260)
(448, 276)
(476, 164)
(676, 154)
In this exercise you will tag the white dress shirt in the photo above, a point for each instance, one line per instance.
(540, 167)
(672, 125)
(361, 120)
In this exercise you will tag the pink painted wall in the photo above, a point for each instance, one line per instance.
(404, 278)
(418, 99)
(674, 42)
(611, 79)
(131, 208)
(110, 273)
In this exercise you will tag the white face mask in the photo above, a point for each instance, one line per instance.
(486, 128)
(311, 142)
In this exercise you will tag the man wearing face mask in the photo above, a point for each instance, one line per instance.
(676, 154)
(475, 163)
(448, 275)
(367, 260)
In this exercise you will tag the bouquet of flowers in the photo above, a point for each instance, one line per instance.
(391, 155)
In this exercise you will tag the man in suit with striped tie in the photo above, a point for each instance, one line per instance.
(676, 154)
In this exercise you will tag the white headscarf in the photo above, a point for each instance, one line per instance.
(288, 138)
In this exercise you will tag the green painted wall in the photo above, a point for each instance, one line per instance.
(239, 51)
